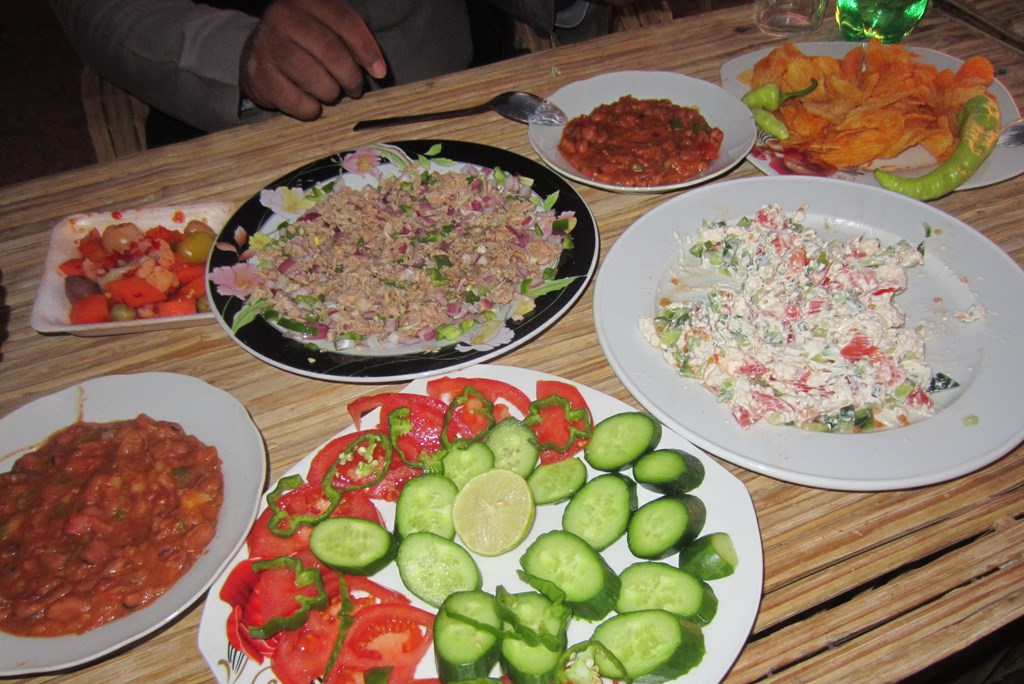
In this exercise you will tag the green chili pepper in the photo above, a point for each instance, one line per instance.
(979, 132)
(345, 621)
(770, 124)
(294, 522)
(378, 472)
(304, 577)
(399, 425)
(486, 409)
(572, 415)
(770, 96)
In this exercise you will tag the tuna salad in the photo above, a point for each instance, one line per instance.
(428, 253)
(800, 330)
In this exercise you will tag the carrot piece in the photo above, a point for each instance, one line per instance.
(193, 289)
(134, 292)
(175, 307)
(73, 267)
(187, 272)
(92, 308)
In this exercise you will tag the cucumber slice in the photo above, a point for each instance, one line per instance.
(600, 511)
(465, 460)
(664, 526)
(526, 663)
(652, 645)
(554, 482)
(464, 651)
(650, 584)
(352, 545)
(669, 471)
(619, 440)
(590, 586)
(425, 505)
(710, 557)
(433, 568)
(514, 446)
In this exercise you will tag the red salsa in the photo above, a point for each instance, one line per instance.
(101, 520)
(640, 143)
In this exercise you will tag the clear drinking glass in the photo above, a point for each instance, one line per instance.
(888, 20)
(788, 17)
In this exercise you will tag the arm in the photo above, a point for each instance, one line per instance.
(176, 55)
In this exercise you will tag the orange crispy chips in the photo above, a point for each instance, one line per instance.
(874, 103)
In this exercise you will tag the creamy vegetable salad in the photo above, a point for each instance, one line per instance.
(801, 330)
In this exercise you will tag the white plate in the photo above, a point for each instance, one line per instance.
(212, 415)
(729, 509)
(721, 109)
(961, 267)
(51, 308)
(1002, 164)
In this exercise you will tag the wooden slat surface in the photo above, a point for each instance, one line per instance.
(858, 586)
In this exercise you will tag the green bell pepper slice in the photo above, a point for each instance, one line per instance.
(304, 577)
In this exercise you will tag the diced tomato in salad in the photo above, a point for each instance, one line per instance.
(124, 273)
(366, 627)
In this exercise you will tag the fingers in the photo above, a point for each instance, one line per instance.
(306, 53)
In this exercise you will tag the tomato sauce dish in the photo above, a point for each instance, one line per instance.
(657, 131)
(122, 271)
(136, 501)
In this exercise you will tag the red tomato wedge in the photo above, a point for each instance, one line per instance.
(308, 499)
(447, 388)
(302, 656)
(388, 634)
(362, 468)
(554, 427)
(426, 422)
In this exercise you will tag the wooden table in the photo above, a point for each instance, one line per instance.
(858, 586)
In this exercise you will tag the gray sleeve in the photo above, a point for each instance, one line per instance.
(178, 56)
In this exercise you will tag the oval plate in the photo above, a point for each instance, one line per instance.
(268, 344)
(729, 509)
(720, 108)
(961, 268)
(1004, 162)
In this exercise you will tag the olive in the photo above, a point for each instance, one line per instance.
(77, 287)
(121, 312)
(197, 227)
(195, 247)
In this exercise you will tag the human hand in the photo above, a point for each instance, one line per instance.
(307, 53)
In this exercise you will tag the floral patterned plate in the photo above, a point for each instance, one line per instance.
(312, 348)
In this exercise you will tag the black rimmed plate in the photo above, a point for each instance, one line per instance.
(269, 344)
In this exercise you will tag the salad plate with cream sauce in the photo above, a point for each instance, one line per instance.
(958, 301)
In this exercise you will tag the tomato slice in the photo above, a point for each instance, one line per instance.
(497, 392)
(554, 427)
(388, 634)
(363, 592)
(302, 656)
(308, 499)
(425, 422)
(361, 469)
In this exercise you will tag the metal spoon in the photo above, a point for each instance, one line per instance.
(517, 106)
(1012, 135)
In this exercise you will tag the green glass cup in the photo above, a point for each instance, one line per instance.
(888, 20)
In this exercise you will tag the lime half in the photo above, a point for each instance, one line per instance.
(493, 512)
